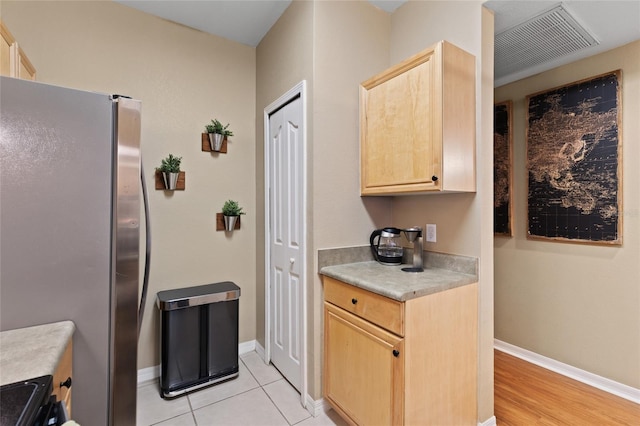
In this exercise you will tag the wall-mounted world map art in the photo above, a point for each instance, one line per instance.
(502, 166)
(573, 153)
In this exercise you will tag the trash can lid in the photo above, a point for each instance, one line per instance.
(179, 298)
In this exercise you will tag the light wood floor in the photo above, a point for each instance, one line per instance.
(526, 394)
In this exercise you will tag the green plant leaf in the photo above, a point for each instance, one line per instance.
(232, 208)
(217, 127)
(171, 164)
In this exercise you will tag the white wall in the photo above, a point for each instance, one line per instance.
(353, 41)
(284, 58)
(351, 44)
(335, 46)
(184, 78)
(464, 221)
(177, 74)
(576, 303)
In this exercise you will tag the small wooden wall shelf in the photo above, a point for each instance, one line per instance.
(220, 222)
(207, 147)
(179, 185)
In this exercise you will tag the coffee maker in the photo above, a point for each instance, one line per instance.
(385, 246)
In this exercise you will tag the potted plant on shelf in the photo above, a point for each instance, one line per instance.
(231, 212)
(217, 132)
(170, 168)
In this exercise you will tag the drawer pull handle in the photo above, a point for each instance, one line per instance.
(66, 383)
(396, 353)
(354, 300)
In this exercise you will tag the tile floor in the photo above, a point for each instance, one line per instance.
(258, 396)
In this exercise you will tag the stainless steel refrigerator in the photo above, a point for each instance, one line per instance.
(70, 203)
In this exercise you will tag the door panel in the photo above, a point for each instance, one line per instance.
(285, 239)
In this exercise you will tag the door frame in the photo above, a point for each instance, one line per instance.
(299, 90)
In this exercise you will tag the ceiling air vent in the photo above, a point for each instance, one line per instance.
(548, 36)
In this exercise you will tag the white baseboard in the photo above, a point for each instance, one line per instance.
(491, 421)
(150, 374)
(259, 349)
(246, 347)
(317, 407)
(619, 389)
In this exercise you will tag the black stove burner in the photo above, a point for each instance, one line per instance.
(21, 401)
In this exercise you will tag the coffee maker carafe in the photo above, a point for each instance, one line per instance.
(386, 249)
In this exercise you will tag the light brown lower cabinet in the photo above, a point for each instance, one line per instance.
(62, 378)
(393, 363)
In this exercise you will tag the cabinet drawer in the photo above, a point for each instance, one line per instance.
(382, 311)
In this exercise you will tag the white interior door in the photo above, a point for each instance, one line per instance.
(286, 239)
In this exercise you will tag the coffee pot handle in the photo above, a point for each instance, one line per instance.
(374, 246)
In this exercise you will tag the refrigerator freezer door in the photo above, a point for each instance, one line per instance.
(58, 255)
(124, 321)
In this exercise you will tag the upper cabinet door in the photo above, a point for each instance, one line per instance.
(6, 41)
(13, 60)
(417, 125)
(26, 70)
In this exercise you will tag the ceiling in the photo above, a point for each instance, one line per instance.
(610, 23)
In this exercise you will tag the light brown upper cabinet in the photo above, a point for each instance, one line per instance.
(13, 60)
(418, 125)
(7, 41)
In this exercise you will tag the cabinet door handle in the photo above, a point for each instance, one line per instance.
(66, 383)
(354, 300)
(434, 178)
(396, 353)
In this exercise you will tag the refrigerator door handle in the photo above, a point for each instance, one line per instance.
(147, 256)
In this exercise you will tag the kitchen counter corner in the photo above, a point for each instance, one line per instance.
(392, 282)
(33, 351)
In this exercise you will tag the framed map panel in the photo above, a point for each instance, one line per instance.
(502, 169)
(574, 162)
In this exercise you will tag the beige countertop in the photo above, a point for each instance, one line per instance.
(31, 352)
(392, 282)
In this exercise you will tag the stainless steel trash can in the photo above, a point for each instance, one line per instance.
(199, 337)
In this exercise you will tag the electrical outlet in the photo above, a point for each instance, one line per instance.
(431, 233)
